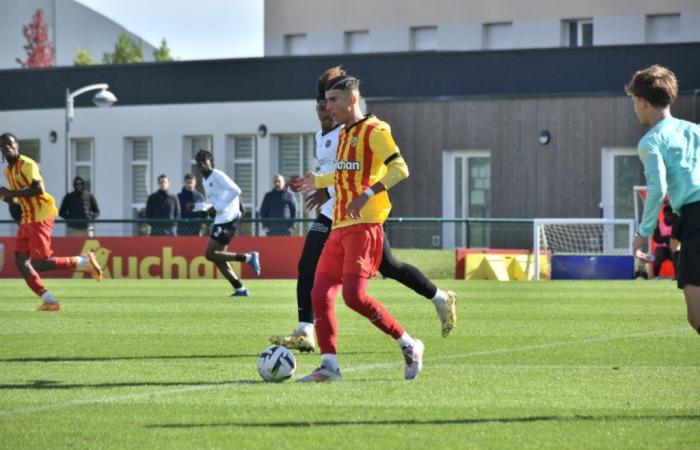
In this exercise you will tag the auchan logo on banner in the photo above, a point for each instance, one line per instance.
(136, 259)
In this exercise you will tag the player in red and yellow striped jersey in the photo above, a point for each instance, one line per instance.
(33, 243)
(368, 164)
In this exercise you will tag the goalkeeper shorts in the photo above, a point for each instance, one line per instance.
(689, 235)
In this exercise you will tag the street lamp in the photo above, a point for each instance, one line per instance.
(103, 98)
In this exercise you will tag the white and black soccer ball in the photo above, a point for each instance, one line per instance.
(276, 364)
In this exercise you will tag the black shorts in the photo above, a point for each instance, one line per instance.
(689, 234)
(224, 232)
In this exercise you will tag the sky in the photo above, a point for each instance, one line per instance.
(200, 29)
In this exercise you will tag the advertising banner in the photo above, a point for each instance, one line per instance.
(163, 257)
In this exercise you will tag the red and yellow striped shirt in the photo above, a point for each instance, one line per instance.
(20, 176)
(362, 151)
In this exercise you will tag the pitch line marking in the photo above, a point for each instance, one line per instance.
(128, 397)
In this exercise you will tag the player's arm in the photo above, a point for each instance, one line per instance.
(655, 174)
(35, 188)
(232, 191)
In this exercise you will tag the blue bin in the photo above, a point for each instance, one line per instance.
(579, 267)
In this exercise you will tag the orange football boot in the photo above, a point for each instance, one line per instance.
(48, 307)
(93, 266)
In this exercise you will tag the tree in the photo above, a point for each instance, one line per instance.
(83, 58)
(162, 53)
(40, 52)
(126, 51)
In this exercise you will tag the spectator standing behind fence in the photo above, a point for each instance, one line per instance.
(162, 205)
(79, 208)
(662, 238)
(279, 203)
(187, 198)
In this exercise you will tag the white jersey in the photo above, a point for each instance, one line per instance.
(224, 195)
(326, 148)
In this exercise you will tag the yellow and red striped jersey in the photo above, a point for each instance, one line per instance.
(363, 149)
(20, 176)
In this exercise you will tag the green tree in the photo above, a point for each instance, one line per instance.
(126, 51)
(83, 58)
(162, 53)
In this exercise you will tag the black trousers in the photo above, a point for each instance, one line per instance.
(390, 267)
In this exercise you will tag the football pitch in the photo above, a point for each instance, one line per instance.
(172, 364)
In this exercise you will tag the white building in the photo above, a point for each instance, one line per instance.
(71, 25)
(313, 27)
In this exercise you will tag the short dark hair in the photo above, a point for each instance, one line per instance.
(333, 72)
(655, 84)
(344, 83)
(161, 176)
(189, 176)
(6, 136)
(203, 155)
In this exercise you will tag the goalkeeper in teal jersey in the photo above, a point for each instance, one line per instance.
(670, 152)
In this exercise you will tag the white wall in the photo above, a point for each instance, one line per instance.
(618, 30)
(166, 125)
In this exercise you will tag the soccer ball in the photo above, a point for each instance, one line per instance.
(276, 364)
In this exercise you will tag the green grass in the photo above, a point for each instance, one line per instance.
(171, 364)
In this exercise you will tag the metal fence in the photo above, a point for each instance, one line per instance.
(427, 243)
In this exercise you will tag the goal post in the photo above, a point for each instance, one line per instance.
(586, 237)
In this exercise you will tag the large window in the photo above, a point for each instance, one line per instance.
(423, 38)
(357, 41)
(663, 28)
(139, 153)
(240, 165)
(497, 36)
(577, 33)
(82, 158)
(467, 195)
(296, 157)
(30, 148)
(193, 144)
(296, 44)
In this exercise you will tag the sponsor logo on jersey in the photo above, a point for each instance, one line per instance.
(328, 143)
(347, 165)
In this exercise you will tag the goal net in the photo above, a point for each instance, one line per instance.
(586, 237)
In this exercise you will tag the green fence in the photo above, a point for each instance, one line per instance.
(427, 243)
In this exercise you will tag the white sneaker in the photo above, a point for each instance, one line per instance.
(447, 313)
(321, 375)
(414, 359)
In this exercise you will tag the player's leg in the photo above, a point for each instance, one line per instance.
(303, 337)
(327, 283)
(364, 244)
(692, 300)
(216, 253)
(445, 301)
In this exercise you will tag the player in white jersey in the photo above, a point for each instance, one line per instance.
(224, 204)
(326, 145)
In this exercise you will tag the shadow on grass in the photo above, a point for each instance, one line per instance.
(62, 359)
(475, 421)
(52, 384)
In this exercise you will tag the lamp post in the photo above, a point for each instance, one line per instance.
(104, 98)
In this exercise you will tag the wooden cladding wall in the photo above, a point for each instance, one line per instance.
(561, 179)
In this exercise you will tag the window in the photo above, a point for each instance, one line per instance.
(296, 44)
(30, 148)
(139, 151)
(577, 33)
(82, 156)
(467, 195)
(423, 38)
(357, 41)
(193, 144)
(296, 157)
(240, 165)
(663, 28)
(497, 36)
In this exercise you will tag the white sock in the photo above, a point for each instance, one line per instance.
(440, 297)
(48, 298)
(406, 340)
(82, 260)
(330, 361)
(241, 289)
(306, 328)
(247, 257)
